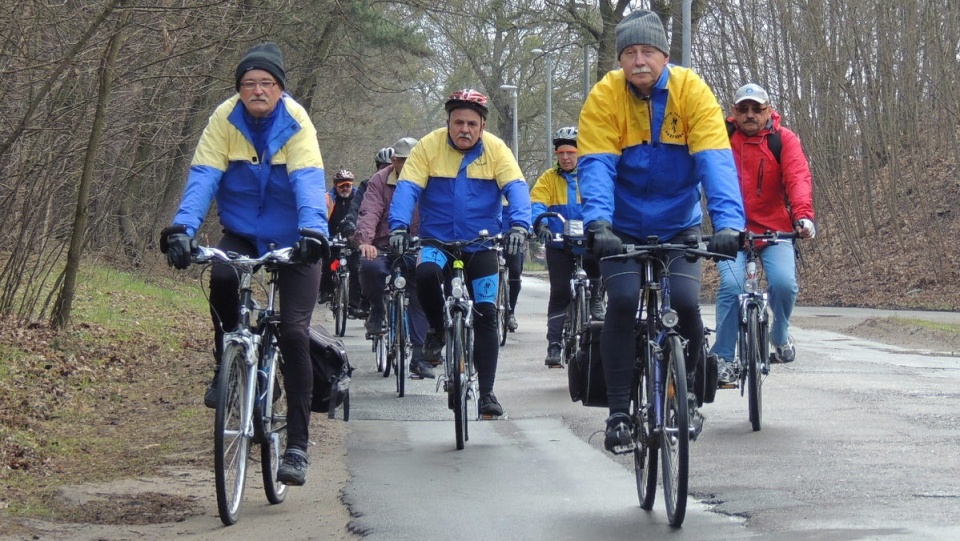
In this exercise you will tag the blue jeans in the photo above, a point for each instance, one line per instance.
(779, 267)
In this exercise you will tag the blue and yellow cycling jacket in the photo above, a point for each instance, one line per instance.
(643, 161)
(266, 199)
(459, 192)
(557, 191)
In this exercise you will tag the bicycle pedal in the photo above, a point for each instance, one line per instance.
(416, 376)
(624, 449)
(486, 417)
(727, 386)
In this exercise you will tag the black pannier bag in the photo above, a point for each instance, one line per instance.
(585, 371)
(331, 373)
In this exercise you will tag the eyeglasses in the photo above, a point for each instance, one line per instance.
(743, 109)
(250, 85)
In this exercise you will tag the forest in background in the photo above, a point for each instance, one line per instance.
(105, 101)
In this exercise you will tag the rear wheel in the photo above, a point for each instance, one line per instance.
(754, 374)
(675, 437)
(231, 446)
(272, 416)
(380, 351)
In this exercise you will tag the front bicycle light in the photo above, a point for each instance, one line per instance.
(669, 318)
(456, 288)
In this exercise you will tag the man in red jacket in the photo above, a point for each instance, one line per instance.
(777, 195)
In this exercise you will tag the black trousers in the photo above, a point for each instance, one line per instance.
(298, 286)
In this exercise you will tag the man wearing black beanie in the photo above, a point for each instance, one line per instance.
(258, 157)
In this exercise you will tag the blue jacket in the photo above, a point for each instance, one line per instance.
(557, 191)
(643, 162)
(460, 192)
(266, 199)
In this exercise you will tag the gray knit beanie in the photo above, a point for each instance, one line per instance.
(266, 57)
(642, 28)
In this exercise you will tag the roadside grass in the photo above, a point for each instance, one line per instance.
(952, 328)
(116, 395)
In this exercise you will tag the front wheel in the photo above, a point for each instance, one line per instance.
(401, 344)
(645, 454)
(675, 435)
(503, 308)
(458, 371)
(231, 445)
(341, 299)
(754, 360)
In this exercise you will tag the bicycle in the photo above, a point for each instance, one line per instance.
(340, 274)
(250, 406)
(659, 405)
(399, 349)
(459, 379)
(753, 334)
(578, 314)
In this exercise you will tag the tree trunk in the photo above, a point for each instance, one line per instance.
(60, 316)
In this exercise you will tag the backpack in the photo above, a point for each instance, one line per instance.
(331, 373)
(585, 372)
(774, 141)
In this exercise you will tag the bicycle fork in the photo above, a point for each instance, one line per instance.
(250, 343)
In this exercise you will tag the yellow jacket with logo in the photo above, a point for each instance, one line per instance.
(643, 162)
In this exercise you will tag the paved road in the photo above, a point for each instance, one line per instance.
(859, 442)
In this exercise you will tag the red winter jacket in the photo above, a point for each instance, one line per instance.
(775, 195)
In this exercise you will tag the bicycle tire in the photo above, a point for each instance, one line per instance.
(458, 362)
(754, 375)
(380, 350)
(341, 298)
(645, 455)
(231, 446)
(578, 319)
(272, 413)
(503, 307)
(675, 433)
(400, 342)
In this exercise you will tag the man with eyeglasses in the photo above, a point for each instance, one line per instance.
(259, 157)
(777, 191)
(652, 141)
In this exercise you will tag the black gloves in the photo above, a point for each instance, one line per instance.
(312, 247)
(515, 239)
(347, 228)
(178, 246)
(602, 241)
(544, 235)
(399, 240)
(726, 242)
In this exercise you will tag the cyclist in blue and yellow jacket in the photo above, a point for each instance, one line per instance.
(652, 136)
(259, 157)
(557, 191)
(458, 176)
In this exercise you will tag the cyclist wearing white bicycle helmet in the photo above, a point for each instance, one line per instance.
(557, 190)
(459, 175)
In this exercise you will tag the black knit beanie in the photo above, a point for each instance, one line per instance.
(266, 57)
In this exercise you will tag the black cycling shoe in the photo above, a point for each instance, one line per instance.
(553, 355)
(213, 391)
(489, 406)
(293, 469)
(422, 369)
(618, 437)
(512, 323)
(432, 347)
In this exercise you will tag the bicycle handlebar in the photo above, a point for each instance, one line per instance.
(208, 254)
(657, 250)
(456, 246)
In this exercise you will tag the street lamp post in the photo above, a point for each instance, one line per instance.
(513, 139)
(548, 67)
